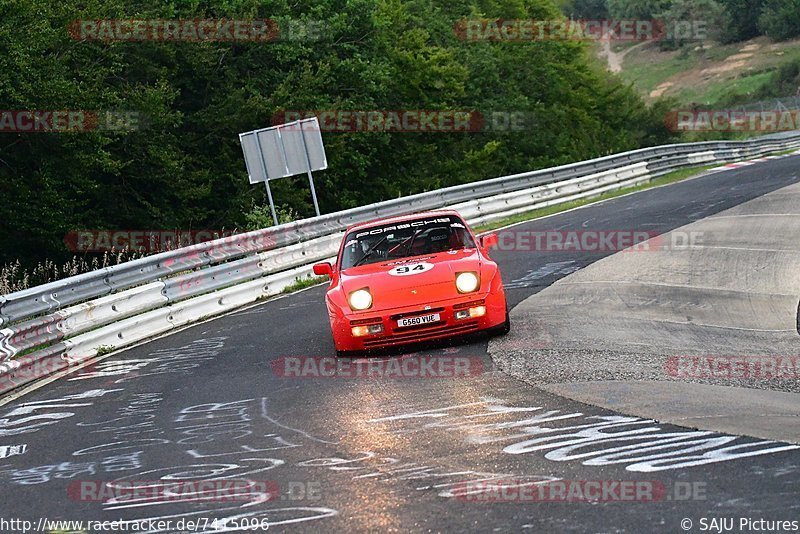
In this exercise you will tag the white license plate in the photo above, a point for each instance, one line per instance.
(418, 320)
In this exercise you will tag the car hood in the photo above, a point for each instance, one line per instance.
(435, 280)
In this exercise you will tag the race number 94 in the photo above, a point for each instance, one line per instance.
(411, 269)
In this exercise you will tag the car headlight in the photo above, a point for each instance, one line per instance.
(467, 282)
(360, 299)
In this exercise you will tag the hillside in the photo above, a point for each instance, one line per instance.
(704, 75)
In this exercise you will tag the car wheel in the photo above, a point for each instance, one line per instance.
(504, 328)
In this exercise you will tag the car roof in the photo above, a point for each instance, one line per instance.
(403, 218)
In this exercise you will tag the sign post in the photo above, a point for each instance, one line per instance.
(284, 150)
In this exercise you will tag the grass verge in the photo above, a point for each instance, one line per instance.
(302, 283)
(785, 152)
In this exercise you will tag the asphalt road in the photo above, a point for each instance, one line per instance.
(213, 402)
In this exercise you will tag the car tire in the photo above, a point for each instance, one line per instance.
(504, 328)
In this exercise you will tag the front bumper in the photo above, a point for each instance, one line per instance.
(447, 326)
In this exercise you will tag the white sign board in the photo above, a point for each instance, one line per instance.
(283, 150)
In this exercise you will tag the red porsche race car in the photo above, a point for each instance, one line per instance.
(410, 279)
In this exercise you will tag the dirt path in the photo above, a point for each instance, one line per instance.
(615, 59)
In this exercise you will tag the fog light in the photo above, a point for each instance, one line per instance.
(476, 311)
(361, 331)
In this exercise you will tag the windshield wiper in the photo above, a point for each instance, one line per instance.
(369, 251)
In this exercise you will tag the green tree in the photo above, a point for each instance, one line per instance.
(637, 9)
(743, 19)
(692, 21)
(780, 19)
(586, 9)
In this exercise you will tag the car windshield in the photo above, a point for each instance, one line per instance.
(401, 240)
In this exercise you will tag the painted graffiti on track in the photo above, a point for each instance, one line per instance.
(594, 440)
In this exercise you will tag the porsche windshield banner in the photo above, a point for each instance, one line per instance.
(401, 226)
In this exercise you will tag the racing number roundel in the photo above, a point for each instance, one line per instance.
(411, 269)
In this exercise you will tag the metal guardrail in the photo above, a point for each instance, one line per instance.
(47, 328)
(57, 294)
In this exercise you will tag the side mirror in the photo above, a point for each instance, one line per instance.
(489, 240)
(323, 269)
